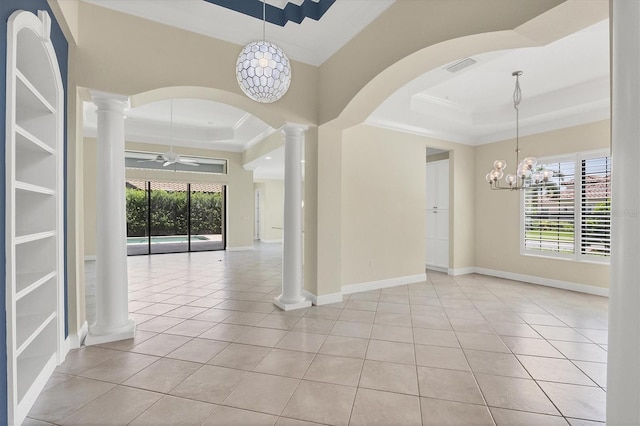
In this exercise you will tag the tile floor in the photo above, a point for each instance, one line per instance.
(211, 349)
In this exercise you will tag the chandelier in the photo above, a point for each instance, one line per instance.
(263, 69)
(527, 174)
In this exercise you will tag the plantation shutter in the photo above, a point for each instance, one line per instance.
(595, 207)
(549, 211)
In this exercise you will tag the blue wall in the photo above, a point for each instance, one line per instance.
(7, 7)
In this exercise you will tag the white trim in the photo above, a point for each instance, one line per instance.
(437, 268)
(66, 347)
(90, 258)
(75, 339)
(240, 248)
(271, 241)
(548, 282)
(461, 271)
(323, 299)
(390, 282)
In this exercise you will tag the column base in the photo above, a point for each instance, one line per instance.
(100, 334)
(303, 303)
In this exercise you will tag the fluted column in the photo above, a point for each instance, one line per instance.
(291, 297)
(623, 370)
(112, 313)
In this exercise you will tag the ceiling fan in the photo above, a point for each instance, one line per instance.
(170, 157)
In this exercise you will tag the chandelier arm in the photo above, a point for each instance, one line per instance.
(264, 18)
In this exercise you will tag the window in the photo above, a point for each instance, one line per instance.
(570, 216)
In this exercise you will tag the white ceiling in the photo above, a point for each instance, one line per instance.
(312, 42)
(565, 83)
(195, 123)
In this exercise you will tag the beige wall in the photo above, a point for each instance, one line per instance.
(383, 204)
(273, 213)
(497, 225)
(239, 183)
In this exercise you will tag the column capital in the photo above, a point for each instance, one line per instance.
(294, 129)
(110, 101)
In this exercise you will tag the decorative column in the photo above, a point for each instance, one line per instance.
(112, 304)
(291, 297)
(623, 369)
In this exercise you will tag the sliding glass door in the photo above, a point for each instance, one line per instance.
(165, 217)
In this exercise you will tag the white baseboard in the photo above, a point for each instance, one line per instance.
(565, 285)
(90, 258)
(240, 248)
(66, 347)
(271, 241)
(375, 285)
(461, 271)
(75, 339)
(436, 268)
(323, 299)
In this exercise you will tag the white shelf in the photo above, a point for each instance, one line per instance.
(27, 282)
(34, 237)
(23, 186)
(30, 141)
(39, 325)
(37, 97)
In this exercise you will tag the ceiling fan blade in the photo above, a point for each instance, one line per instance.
(168, 163)
(187, 162)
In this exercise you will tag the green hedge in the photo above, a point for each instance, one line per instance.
(169, 213)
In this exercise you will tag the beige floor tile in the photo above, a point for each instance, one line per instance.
(119, 406)
(560, 333)
(190, 328)
(362, 305)
(471, 326)
(119, 368)
(161, 344)
(326, 312)
(213, 314)
(431, 322)
(344, 346)
(595, 370)
(515, 330)
(392, 333)
(82, 359)
(127, 344)
(542, 319)
(482, 342)
(425, 336)
(314, 325)
(244, 318)
(55, 380)
(583, 402)
(390, 318)
(581, 351)
(226, 416)
(225, 332)
(437, 412)
(394, 308)
(163, 375)
(157, 309)
(372, 407)
(357, 316)
(402, 353)
(263, 393)
(285, 421)
(172, 411)
(510, 418)
(244, 357)
(394, 298)
(210, 384)
(261, 336)
(159, 324)
(582, 422)
(306, 342)
(285, 363)
(534, 347)
(280, 322)
(321, 402)
(373, 296)
(62, 400)
(334, 369)
(495, 363)
(441, 357)
(451, 385)
(33, 422)
(391, 377)
(352, 329)
(198, 350)
(596, 336)
(515, 394)
(554, 370)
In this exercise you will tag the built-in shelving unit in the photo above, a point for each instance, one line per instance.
(34, 211)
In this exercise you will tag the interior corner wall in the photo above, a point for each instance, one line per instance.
(239, 183)
(383, 205)
(497, 224)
